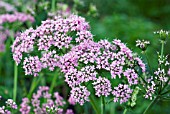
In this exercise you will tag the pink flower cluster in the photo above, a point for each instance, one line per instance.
(50, 40)
(168, 72)
(53, 45)
(10, 104)
(122, 93)
(132, 76)
(150, 88)
(6, 6)
(3, 36)
(80, 94)
(102, 86)
(45, 106)
(10, 18)
(85, 61)
(160, 76)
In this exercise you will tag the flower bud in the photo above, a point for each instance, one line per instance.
(163, 34)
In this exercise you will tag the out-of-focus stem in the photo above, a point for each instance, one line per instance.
(124, 112)
(102, 105)
(150, 68)
(94, 105)
(15, 82)
(34, 84)
(54, 81)
(15, 72)
(162, 49)
(53, 5)
(150, 105)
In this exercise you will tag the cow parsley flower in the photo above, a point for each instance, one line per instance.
(42, 102)
(25, 108)
(80, 94)
(3, 36)
(132, 76)
(17, 16)
(49, 41)
(73, 77)
(150, 88)
(88, 73)
(169, 72)
(142, 44)
(7, 6)
(89, 59)
(10, 104)
(32, 65)
(161, 75)
(122, 93)
(102, 86)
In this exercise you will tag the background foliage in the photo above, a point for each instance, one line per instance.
(127, 20)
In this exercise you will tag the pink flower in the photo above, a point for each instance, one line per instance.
(10, 18)
(169, 72)
(80, 94)
(102, 86)
(122, 93)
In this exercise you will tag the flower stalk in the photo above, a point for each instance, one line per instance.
(34, 84)
(124, 112)
(94, 105)
(150, 105)
(54, 81)
(102, 105)
(15, 82)
(53, 5)
(150, 68)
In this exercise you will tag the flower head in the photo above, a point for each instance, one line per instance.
(102, 86)
(80, 94)
(122, 93)
(42, 102)
(49, 41)
(162, 33)
(142, 44)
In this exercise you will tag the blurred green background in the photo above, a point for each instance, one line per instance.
(127, 20)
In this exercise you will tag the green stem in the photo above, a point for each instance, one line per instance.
(102, 105)
(53, 4)
(54, 81)
(148, 62)
(166, 84)
(124, 112)
(15, 82)
(94, 105)
(162, 49)
(34, 84)
(150, 105)
(113, 108)
(110, 100)
(165, 92)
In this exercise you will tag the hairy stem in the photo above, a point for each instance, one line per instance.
(15, 81)
(150, 105)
